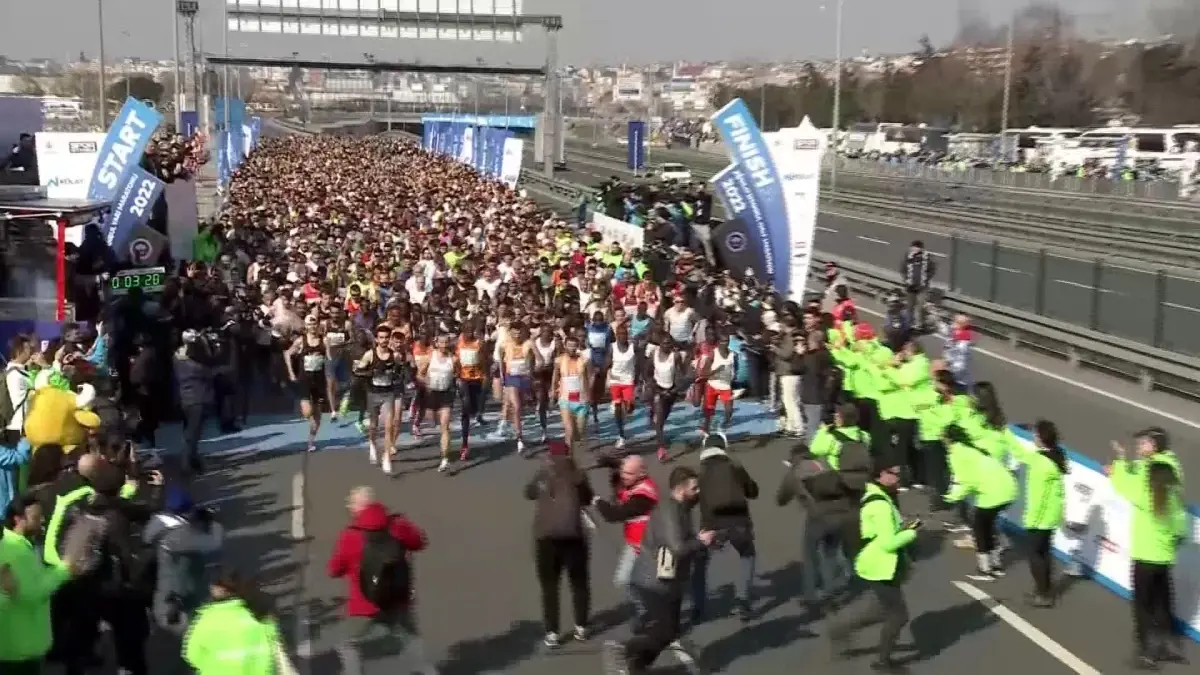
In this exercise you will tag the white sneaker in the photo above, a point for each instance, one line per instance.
(372, 453)
(387, 464)
(444, 466)
(520, 447)
(620, 442)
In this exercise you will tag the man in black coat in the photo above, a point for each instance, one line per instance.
(725, 493)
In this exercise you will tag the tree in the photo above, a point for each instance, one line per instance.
(29, 86)
(140, 87)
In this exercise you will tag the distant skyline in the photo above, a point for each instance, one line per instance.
(595, 32)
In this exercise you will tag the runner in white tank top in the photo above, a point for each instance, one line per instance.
(622, 373)
(718, 370)
(545, 348)
(663, 367)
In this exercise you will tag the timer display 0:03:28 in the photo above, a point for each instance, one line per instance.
(137, 281)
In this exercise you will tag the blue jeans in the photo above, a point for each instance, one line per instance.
(623, 575)
(742, 583)
(825, 566)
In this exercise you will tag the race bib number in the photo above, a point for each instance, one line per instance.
(314, 362)
(665, 564)
(440, 380)
(468, 357)
(336, 339)
(518, 367)
(382, 380)
(572, 385)
(597, 340)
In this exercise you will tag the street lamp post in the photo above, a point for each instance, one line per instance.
(103, 83)
(837, 91)
(1008, 58)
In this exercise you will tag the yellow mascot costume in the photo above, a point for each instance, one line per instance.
(57, 415)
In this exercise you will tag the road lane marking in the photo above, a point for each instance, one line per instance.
(826, 229)
(1031, 632)
(1076, 284)
(298, 531)
(873, 240)
(1186, 308)
(1010, 270)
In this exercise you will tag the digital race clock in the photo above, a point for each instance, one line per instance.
(149, 279)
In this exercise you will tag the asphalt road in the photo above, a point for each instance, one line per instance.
(1008, 275)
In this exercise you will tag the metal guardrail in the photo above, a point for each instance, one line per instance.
(1152, 367)
(1089, 189)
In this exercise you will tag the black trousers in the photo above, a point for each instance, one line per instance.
(885, 605)
(193, 427)
(903, 434)
(658, 628)
(553, 557)
(984, 528)
(1152, 629)
(937, 472)
(1039, 560)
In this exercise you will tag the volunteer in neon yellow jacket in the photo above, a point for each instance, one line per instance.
(882, 563)
(26, 586)
(1159, 525)
(975, 472)
(937, 407)
(988, 426)
(856, 359)
(1045, 504)
(234, 634)
(904, 378)
(827, 444)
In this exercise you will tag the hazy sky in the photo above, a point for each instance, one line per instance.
(596, 31)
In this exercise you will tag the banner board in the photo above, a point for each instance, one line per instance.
(122, 149)
(132, 206)
(510, 164)
(66, 161)
(635, 159)
(749, 237)
(757, 171)
(628, 235)
(797, 155)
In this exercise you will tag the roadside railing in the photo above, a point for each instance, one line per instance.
(1152, 365)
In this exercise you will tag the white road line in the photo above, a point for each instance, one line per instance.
(1123, 400)
(1002, 268)
(873, 240)
(1031, 632)
(298, 531)
(936, 254)
(1076, 284)
(1186, 308)
(826, 229)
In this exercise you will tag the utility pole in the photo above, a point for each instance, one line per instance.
(1008, 59)
(837, 92)
(103, 82)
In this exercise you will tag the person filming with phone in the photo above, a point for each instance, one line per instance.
(883, 564)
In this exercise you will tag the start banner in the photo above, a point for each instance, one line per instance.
(122, 150)
(628, 235)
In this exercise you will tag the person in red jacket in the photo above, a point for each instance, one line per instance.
(636, 496)
(364, 621)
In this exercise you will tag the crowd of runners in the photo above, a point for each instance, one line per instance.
(393, 288)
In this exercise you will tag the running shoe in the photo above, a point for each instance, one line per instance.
(361, 426)
(462, 454)
(620, 442)
(580, 634)
(372, 453)
(444, 466)
(333, 416)
(552, 641)
(521, 448)
(386, 465)
(344, 406)
(662, 455)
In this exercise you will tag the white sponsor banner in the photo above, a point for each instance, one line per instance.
(1097, 535)
(510, 165)
(66, 161)
(628, 235)
(797, 155)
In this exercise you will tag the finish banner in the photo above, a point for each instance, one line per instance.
(122, 150)
(635, 159)
(797, 154)
(755, 173)
(132, 207)
(747, 242)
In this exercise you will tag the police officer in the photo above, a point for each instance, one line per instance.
(882, 564)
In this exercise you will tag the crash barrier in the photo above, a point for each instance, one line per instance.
(1152, 367)
(1098, 539)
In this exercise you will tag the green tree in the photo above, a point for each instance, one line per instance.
(140, 87)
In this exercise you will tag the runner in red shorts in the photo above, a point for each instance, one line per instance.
(718, 369)
(621, 366)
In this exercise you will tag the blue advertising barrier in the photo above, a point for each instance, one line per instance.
(506, 121)
(132, 206)
(749, 151)
(122, 150)
(636, 135)
(189, 120)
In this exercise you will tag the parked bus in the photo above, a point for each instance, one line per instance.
(1034, 143)
(1140, 145)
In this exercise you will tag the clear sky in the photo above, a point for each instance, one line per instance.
(596, 31)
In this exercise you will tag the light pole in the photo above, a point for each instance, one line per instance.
(762, 106)
(1008, 58)
(370, 58)
(103, 83)
(225, 67)
(837, 90)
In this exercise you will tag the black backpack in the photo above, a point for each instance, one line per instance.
(721, 487)
(384, 573)
(855, 463)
